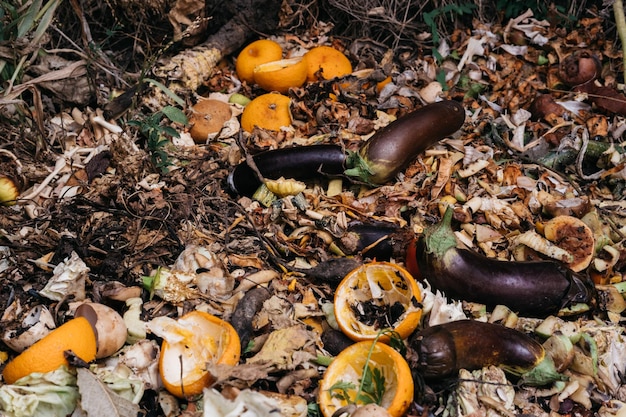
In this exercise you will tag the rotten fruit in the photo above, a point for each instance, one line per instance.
(377, 297)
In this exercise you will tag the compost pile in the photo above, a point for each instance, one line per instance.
(214, 248)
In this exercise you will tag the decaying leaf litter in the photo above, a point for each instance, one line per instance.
(117, 199)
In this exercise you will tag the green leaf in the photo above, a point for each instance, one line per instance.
(46, 19)
(340, 390)
(170, 131)
(372, 386)
(51, 394)
(27, 20)
(167, 91)
(396, 342)
(175, 114)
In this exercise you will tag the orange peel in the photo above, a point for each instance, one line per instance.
(375, 297)
(207, 118)
(327, 62)
(281, 75)
(47, 354)
(346, 370)
(189, 343)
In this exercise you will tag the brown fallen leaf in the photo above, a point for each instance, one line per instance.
(287, 348)
(97, 399)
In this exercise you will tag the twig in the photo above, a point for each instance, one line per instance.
(620, 22)
(249, 158)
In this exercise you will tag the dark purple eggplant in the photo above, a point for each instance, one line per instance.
(302, 163)
(530, 288)
(442, 350)
(392, 148)
(385, 154)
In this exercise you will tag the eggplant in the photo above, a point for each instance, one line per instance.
(530, 288)
(392, 148)
(444, 349)
(385, 154)
(302, 163)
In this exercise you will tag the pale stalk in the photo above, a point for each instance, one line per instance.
(620, 22)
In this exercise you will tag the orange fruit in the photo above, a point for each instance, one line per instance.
(328, 61)
(269, 111)
(343, 377)
(46, 355)
(256, 53)
(207, 117)
(377, 296)
(281, 75)
(189, 343)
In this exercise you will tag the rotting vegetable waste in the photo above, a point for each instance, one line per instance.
(530, 288)
(378, 160)
(444, 349)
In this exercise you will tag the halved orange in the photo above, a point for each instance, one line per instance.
(46, 355)
(328, 62)
(375, 297)
(388, 372)
(269, 111)
(256, 53)
(189, 343)
(281, 75)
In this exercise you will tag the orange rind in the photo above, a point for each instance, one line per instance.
(375, 299)
(207, 118)
(189, 344)
(326, 62)
(48, 354)
(340, 384)
(281, 75)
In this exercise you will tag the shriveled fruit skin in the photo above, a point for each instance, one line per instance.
(247, 308)
(573, 235)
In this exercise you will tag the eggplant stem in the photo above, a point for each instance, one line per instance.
(358, 167)
(440, 237)
(544, 373)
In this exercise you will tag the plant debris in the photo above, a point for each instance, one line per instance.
(109, 195)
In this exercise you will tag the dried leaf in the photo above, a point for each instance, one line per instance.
(287, 348)
(97, 399)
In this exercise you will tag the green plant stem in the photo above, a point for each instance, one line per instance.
(367, 362)
(620, 22)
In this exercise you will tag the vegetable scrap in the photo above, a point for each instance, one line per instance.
(311, 222)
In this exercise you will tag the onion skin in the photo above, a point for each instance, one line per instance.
(300, 163)
(393, 147)
(530, 288)
(445, 349)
